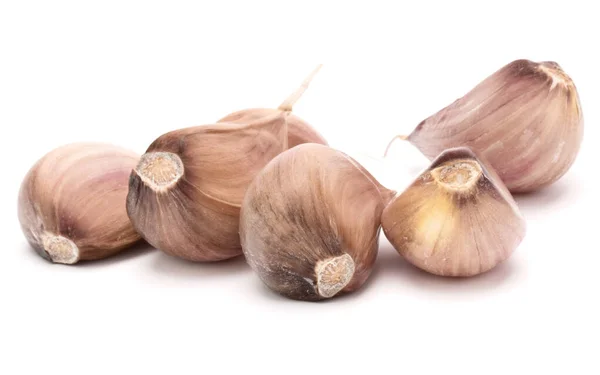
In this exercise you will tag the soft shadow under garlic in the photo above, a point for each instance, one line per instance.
(138, 250)
(392, 269)
(367, 287)
(549, 199)
(182, 269)
(132, 253)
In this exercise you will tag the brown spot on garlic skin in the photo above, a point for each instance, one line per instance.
(196, 217)
(73, 199)
(309, 223)
(525, 119)
(450, 231)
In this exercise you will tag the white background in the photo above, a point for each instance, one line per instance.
(125, 72)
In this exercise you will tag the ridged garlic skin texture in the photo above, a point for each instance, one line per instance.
(186, 192)
(525, 120)
(71, 204)
(309, 223)
(299, 131)
(456, 219)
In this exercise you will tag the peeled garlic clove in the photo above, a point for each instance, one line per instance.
(456, 219)
(309, 223)
(186, 191)
(71, 204)
(525, 119)
(299, 131)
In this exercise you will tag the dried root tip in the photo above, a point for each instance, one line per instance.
(389, 146)
(458, 176)
(293, 98)
(160, 170)
(60, 249)
(334, 274)
(556, 73)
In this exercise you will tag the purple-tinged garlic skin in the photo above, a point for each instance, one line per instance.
(525, 119)
(456, 219)
(71, 203)
(310, 223)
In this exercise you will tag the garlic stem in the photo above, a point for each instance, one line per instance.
(400, 137)
(289, 102)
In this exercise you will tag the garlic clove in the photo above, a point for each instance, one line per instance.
(309, 223)
(299, 131)
(186, 191)
(525, 119)
(71, 204)
(456, 219)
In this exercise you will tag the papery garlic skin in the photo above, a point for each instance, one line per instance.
(185, 193)
(309, 223)
(71, 203)
(525, 119)
(299, 131)
(456, 219)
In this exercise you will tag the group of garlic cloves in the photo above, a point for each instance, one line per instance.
(263, 184)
